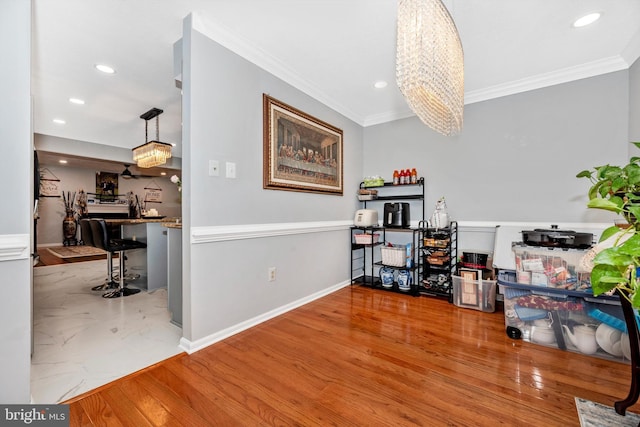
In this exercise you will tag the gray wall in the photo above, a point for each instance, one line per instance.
(517, 156)
(16, 207)
(634, 105)
(226, 277)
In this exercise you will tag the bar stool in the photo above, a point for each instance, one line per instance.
(87, 238)
(101, 239)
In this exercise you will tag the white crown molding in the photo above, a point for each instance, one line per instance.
(631, 53)
(193, 346)
(262, 59)
(14, 247)
(590, 69)
(389, 116)
(224, 233)
(226, 38)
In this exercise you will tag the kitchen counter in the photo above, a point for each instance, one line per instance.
(150, 264)
(130, 221)
(174, 270)
(174, 224)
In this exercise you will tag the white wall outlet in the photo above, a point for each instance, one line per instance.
(231, 170)
(214, 168)
(271, 274)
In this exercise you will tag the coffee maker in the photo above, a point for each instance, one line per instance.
(396, 215)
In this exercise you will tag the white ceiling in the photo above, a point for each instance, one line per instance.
(334, 50)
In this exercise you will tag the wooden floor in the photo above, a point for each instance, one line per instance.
(362, 357)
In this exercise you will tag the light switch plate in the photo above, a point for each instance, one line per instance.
(231, 170)
(214, 168)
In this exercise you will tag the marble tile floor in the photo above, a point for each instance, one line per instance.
(83, 341)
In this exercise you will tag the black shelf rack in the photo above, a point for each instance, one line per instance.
(411, 195)
(440, 246)
(370, 260)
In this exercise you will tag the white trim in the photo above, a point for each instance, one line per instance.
(389, 116)
(225, 37)
(224, 233)
(632, 52)
(199, 344)
(14, 246)
(590, 69)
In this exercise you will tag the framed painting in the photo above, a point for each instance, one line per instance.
(106, 186)
(301, 153)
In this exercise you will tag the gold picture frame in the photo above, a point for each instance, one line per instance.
(301, 152)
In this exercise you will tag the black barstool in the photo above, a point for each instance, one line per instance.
(101, 239)
(86, 234)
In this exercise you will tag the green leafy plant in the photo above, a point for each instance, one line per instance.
(617, 189)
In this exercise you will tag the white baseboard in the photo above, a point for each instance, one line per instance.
(199, 344)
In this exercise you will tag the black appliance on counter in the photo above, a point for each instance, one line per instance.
(396, 215)
(557, 238)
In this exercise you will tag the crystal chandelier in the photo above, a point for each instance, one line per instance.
(430, 64)
(151, 153)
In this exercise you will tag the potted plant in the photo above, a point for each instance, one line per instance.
(616, 265)
(617, 189)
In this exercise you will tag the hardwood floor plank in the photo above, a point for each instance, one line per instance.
(78, 416)
(99, 411)
(210, 407)
(173, 403)
(124, 409)
(152, 409)
(238, 410)
(248, 394)
(367, 357)
(298, 401)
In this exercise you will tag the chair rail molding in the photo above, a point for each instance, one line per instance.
(223, 233)
(14, 246)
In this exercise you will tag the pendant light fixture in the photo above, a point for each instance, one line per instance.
(430, 64)
(151, 153)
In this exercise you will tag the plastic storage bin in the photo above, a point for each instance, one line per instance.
(475, 294)
(569, 320)
(550, 267)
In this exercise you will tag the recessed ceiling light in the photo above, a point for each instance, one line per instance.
(105, 69)
(587, 19)
(64, 162)
(380, 84)
(59, 121)
(163, 173)
(76, 101)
